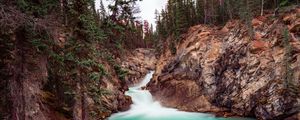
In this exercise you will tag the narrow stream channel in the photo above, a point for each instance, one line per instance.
(145, 108)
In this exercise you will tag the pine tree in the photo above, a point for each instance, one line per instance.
(181, 20)
(103, 13)
(166, 21)
(262, 8)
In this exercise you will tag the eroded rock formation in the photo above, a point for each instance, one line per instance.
(224, 69)
(138, 64)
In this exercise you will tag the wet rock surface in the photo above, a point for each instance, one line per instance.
(138, 64)
(217, 70)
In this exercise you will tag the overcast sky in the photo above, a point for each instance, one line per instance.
(147, 8)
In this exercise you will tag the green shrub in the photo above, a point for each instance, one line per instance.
(91, 29)
(120, 72)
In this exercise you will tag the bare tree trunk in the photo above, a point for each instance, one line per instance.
(61, 7)
(62, 10)
(212, 13)
(16, 85)
(77, 113)
(229, 8)
(80, 106)
(205, 11)
(262, 8)
(83, 104)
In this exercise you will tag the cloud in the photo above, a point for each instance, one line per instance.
(148, 9)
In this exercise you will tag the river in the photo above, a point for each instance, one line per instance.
(144, 107)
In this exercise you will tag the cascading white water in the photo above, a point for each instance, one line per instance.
(145, 108)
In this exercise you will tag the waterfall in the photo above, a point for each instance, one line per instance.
(144, 107)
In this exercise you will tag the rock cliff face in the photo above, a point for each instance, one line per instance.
(224, 69)
(30, 93)
(138, 63)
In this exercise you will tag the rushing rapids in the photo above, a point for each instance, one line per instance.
(144, 107)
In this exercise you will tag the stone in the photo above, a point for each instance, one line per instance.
(229, 71)
(138, 64)
(258, 46)
(256, 22)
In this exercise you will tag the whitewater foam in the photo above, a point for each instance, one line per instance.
(144, 107)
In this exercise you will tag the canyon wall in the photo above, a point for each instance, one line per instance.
(246, 72)
(138, 63)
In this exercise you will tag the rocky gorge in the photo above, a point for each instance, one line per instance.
(225, 70)
(138, 63)
(70, 60)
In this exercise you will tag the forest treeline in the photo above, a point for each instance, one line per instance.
(179, 15)
(75, 45)
(69, 48)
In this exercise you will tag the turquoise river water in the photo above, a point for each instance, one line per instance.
(144, 107)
